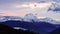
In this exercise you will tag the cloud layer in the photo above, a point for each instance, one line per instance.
(22, 7)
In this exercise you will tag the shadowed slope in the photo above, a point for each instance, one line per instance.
(57, 31)
(4, 29)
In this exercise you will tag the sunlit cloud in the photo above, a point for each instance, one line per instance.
(33, 5)
(12, 13)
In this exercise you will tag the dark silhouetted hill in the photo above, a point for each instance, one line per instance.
(57, 31)
(4, 29)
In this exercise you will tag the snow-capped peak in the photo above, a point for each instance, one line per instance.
(30, 17)
(47, 19)
(6, 18)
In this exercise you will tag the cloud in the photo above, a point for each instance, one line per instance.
(22, 7)
(34, 5)
(26, 6)
(12, 13)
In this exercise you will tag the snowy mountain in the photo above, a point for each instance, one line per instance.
(49, 20)
(6, 18)
(2, 19)
(30, 17)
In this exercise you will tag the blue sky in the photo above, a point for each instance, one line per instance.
(22, 7)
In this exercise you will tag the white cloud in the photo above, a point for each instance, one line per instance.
(36, 8)
(33, 5)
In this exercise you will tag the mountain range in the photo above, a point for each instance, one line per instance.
(28, 18)
(41, 26)
(30, 22)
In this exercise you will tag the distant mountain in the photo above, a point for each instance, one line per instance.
(47, 19)
(28, 18)
(6, 18)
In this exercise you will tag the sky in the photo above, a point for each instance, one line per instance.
(23, 7)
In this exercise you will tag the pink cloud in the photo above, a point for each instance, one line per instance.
(11, 13)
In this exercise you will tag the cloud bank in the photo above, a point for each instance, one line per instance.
(22, 7)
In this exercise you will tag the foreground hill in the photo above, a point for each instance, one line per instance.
(38, 27)
(4, 29)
